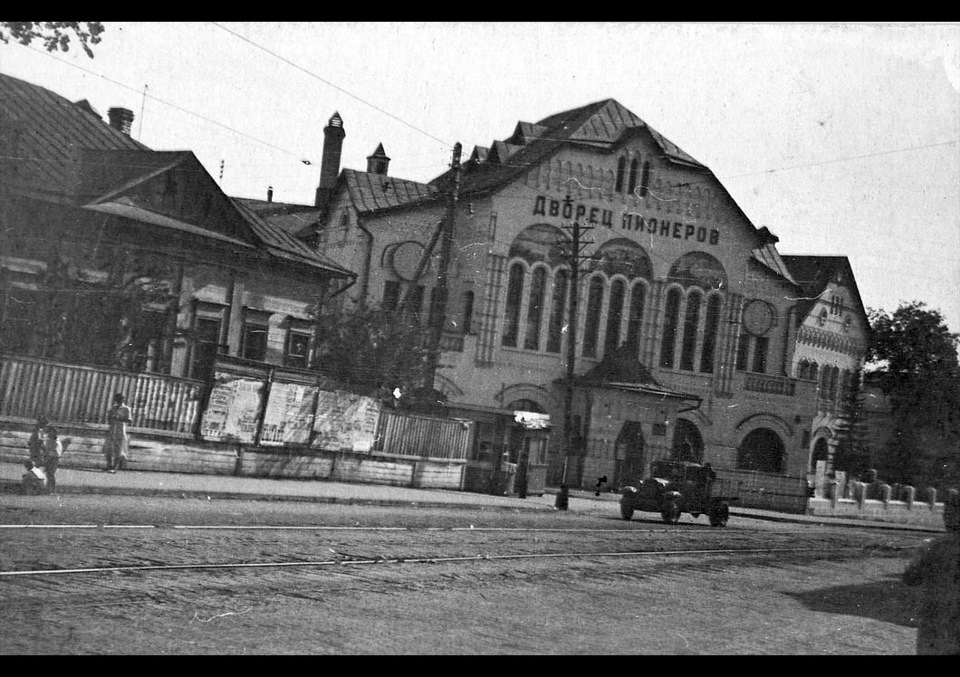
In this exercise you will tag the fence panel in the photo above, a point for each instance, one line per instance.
(423, 436)
(769, 491)
(68, 393)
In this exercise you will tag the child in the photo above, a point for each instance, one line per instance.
(52, 451)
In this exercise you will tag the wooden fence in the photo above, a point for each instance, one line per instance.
(68, 393)
(768, 491)
(410, 435)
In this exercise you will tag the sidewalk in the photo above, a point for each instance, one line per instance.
(183, 485)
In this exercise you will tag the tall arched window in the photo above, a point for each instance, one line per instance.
(621, 170)
(671, 318)
(511, 320)
(812, 374)
(466, 302)
(555, 330)
(645, 179)
(690, 325)
(834, 373)
(710, 330)
(632, 183)
(614, 316)
(634, 321)
(591, 328)
(538, 286)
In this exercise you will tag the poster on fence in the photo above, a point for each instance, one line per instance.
(233, 409)
(345, 421)
(288, 415)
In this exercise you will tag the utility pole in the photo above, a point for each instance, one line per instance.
(438, 302)
(574, 256)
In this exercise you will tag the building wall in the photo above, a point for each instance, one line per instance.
(662, 227)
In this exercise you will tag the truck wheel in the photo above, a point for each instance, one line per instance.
(719, 515)
(626, 503)
(670, 511)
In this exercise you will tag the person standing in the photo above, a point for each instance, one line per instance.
(35, 445)
(937, 569)
(117, 444)
(52, 451)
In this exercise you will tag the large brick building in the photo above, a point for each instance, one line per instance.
(690, 321)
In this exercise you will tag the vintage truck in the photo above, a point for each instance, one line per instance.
(676, 487)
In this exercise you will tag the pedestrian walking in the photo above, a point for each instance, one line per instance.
(937, 569)
(35, 445)
(52, 451)
(117, 444)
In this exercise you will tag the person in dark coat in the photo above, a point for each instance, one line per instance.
(937, 569)
(35, 445)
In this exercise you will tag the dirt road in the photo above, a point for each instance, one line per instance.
(282, 578)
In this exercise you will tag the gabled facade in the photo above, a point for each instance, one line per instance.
(693, 301)
(119, 255)
(832, 341)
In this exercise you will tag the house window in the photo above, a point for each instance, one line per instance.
(621, 170)
(760, 346)
(207, 330)
(743, 352)
(511, 320)
(632, 184)
(535, 309)
(391, 294)
(671, 317)
(296, 351)
(466, 323)
(555, 329)
(690, 325)
(637, 300)
(614, 316)
(645, 179)
(253, 341)
(591, 330)
(710, 335)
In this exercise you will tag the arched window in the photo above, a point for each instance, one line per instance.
(621, 169)
(645, 179)
(634, 321)
(812, 375)
(538, 286)
(614, 316)
(555, 331)
(832, 385)
(820, 452)
(710, 330)
(802, 370)
(511, 320)
(591, 327)
(687, 442)
(690, 324)
(670, 320)
(632, 183)
(466, 303)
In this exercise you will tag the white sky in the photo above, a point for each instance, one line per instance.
(843, 139)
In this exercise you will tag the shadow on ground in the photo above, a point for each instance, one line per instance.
(890, 601)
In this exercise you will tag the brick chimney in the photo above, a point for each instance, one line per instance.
(378, 162)
(333, 135)
(121, 119)
(269, 193)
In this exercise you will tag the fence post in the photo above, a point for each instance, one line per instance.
(932, 497)
(885, 491)
(909, 494)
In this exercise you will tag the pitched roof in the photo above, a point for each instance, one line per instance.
(815, 273)
(371, 192)
(45, 134)
(603, 124)
(295, 219)
(64, 153)
(621, 370)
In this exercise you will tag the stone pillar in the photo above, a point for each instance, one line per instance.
(909, 496)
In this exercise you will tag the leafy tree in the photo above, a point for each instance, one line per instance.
(54, 34)
(918, 357)
(374, 350)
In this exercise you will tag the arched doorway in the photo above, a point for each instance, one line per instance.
(628, 455)
(687, 442)
(821, 452)
(761, 450)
